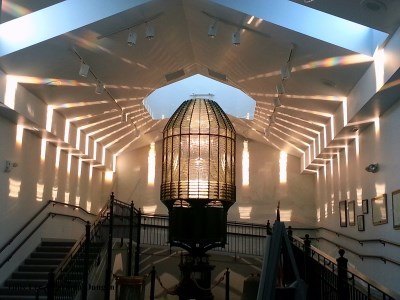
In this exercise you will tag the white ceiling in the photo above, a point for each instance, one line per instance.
(181, 43)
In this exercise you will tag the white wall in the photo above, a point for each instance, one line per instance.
(19, 197)
(262, 194)
(347, 179)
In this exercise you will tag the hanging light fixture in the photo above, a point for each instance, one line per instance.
(84, 69)
(212, 30)
(132, 36)
(99, 87)
(150, 31)
(236, 38)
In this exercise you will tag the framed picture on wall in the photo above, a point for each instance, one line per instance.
(396, 209)
(343, 213)
(365, 206)
(360, 223)
(379, 210)
(352, 213)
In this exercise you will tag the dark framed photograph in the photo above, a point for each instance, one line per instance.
(396, 209)
(352, 213)
(360, 223)
(343, 213)
(365, 206)
(379, 210)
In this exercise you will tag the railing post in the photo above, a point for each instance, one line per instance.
(50, 286)
(130, 239)
(137, 252)
(343, 285)
(290, 233)
(152, 283)
(86, 262)
(269, 229)
(227, 287)
(107, 285)
(307, 254)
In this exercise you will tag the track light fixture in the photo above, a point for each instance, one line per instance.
(277, 102)
(99, 87)
(272, 119)
(84, 69)
(236, 38)
(212, 30)
(280, 88)
(132, 36)
(150, 31)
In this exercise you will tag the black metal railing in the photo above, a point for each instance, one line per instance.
(330, 278)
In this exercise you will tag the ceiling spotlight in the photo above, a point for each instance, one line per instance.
(277, 102)
(280, 88)
(99, 87)
(150, 31)
(236, 38)
(132, 36)
(84, 69)
(373, 168)
(212, 30)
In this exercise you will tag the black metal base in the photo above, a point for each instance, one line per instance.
(195, 278)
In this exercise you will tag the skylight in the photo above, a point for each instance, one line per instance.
(164, 101)
(311, 22)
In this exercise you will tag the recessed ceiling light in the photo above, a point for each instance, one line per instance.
(373, 5)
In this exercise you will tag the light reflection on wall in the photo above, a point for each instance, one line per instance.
(245, 164)
(151, 164)
(49, 118)
(66, 130)
(359, 196)
(379, 64)
(245, 212)
(377, 126)
(326, 210)
(11, 88)
(20, 135)
(286, 215)
(43, 150)
(318, 214)
(283, 167)
(149, 209)
(14, 187)
(39, 192)
(109, 175)
(380, 188)
(114, 164)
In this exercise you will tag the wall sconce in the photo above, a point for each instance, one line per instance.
(9, 166)
(373, 168)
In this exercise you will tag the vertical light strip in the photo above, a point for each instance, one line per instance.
(78, 139)
(344, 105)
(87, 144)
(114, 168)
(245, 164)
(66, 131)
(69, 163)
(11, 88)
(283, 167)
(332, 128)
(357, 144)
(57, 165)
(43, 150)
(94, 150)
(103, 156)
(49, 118)
(151, 164)
(19, 135)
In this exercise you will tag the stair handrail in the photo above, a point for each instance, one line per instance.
(36, 215)
(50, 214)
(81, 241)
(354, 272)
(361, 241)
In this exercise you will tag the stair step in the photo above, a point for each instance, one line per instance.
(53, 249)
(30, 275)
(43, 261)
(48, 255)
(19, 292)
(50, 243)
(37, 268)
(21, 297)
(23, 283)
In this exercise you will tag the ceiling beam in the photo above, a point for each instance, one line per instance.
(56, 20)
